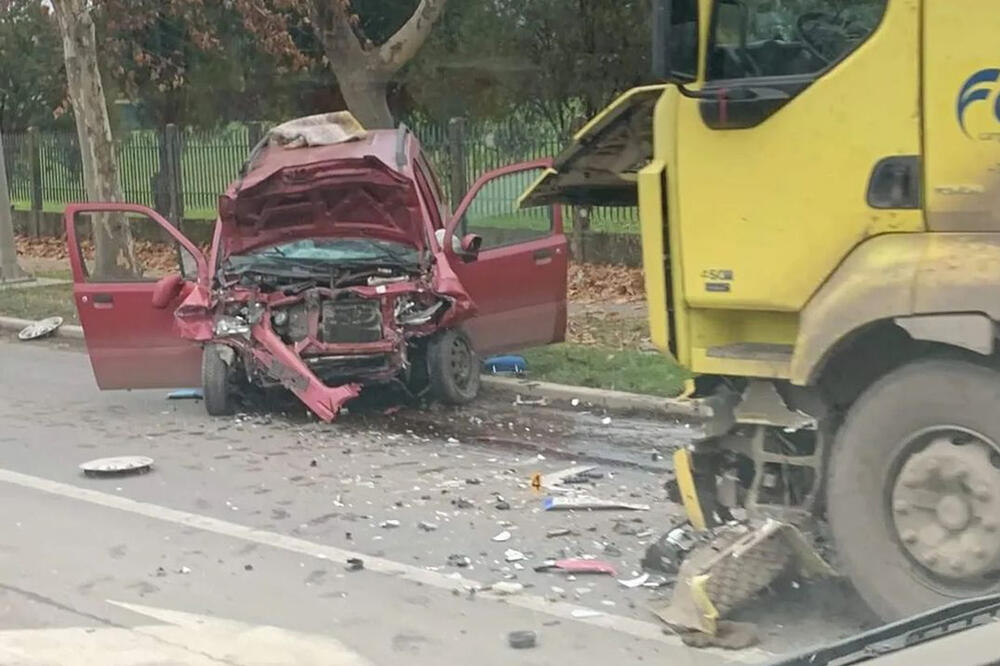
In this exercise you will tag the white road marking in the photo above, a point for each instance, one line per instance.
(563, 610)
(185, 640)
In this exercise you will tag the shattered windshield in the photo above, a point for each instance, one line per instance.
(331, 251)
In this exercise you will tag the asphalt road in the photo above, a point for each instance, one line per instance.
(232, 549)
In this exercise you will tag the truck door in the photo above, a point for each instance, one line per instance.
(962, 115)
(518, 279)
(132, 343)
(806, 108)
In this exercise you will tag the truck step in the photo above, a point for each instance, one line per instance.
(753, 351)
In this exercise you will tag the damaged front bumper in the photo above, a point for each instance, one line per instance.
(324, 344)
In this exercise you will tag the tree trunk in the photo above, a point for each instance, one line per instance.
(9, 268)
(113, 251)
(366, 99)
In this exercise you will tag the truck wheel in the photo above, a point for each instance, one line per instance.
(216, 381)
(914, 487)
(453, 366)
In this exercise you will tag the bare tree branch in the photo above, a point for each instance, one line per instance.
(402, 46)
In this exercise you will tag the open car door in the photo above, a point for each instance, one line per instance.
(126, 295)
(517, 279)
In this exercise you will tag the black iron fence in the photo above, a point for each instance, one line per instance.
(182, 171)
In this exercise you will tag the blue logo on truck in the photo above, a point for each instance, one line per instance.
(975, 91)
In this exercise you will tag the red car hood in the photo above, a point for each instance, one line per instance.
(318, 192)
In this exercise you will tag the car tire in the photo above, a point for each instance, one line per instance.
(869, 453)
(453, 366)
(216, 381)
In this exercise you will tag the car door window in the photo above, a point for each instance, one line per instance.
(494, 213)
(136, 248)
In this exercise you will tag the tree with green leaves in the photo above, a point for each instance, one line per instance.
(32, 79)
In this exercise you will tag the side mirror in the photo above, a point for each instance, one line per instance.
(166, 290)
(470, 245)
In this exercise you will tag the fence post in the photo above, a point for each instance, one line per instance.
(456, 149)
(255, 132)
(581, 226)
(35, 168)
(175, 201)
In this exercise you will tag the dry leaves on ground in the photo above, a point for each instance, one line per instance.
(601, 283)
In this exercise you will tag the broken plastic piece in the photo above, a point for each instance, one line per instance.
(520, 640)
(503, 536)
(634, 582)
(505, 364)
(186, 394)
(577, 565)
(116, 466)
(512, 555)
(566, 503)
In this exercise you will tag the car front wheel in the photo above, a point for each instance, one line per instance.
(453, 367)
(216, 380)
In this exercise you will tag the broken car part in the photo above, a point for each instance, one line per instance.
(117, 466)
(40, 329)
(570, 503)
(520, 640)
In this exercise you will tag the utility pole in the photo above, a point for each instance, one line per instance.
(10, 270)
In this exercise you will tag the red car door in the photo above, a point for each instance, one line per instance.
(131, 342)
(518, 279)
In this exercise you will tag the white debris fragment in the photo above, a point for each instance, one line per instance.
(503, 536)
(606, 420)
(575, 402)
(634, 582)
(583, 613)
(505, 588)
(184, 570)
(389, 523)
(512, 555)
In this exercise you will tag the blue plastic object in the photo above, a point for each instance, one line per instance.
(186, 394)
(505, 364)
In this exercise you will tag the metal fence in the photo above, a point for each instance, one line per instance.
(181, 172)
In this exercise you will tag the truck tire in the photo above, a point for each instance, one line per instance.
(216, 382)
(453, 366)
(913, 489)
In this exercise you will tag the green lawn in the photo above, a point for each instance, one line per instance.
(39, 302)
(608, 368)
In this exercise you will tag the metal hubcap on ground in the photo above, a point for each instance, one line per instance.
(946, 505)
(461, 362)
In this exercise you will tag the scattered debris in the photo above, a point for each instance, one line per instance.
(585, 502)
(502, 504)
(117, 466)
(473, 482)
(389, 523)
(160, 572)
(184, 570)
(537, 402)
(606, 420)
(461, 561)
(426, 526)
(314, 463)
(503, 536)
(512, 555)
(40, 328)
(578, 565)
(583, 613)
(463, 503)
(507, 588)
(729, 635)
(634, 582)
(558, 532)
(575, 402)
(247, 567)
(554, 480)
(355, 564)
(521, 640)
(186, 394)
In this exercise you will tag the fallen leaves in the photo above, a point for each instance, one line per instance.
(602, 283)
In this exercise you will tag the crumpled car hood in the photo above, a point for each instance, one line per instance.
(319, 192)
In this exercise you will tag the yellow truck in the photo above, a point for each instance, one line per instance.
(819, 193)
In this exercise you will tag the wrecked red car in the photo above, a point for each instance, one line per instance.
(331, 268)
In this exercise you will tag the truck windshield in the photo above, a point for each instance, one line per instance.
(761, 38)
(332, 250)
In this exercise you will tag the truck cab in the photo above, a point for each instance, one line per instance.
(819, 194)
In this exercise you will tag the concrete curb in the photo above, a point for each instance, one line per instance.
(615, 401)
(64, 331)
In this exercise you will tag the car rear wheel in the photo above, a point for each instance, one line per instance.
(914, 487)
(217, 380)
(453, 366)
